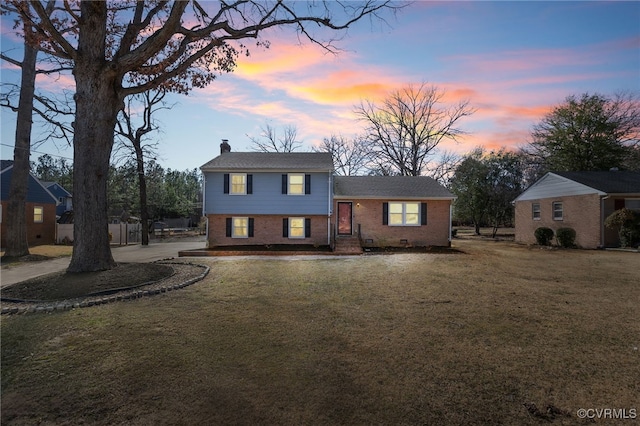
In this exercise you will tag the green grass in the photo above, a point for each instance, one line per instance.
(385, 339)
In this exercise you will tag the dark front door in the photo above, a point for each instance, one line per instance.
(344, 218)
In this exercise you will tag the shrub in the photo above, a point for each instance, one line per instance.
(566, 237)
(628, 224)
(543, 236)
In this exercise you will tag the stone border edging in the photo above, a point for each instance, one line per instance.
(165, 285)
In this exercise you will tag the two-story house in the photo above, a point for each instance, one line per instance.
(257, 198)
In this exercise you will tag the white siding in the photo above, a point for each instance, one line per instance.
(552, 185)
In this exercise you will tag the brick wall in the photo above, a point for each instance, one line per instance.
(580, 212)
(368, 214)
(267, 230)
(37, 233)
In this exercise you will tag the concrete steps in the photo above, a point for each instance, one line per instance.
(347, 245)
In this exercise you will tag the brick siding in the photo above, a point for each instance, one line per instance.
(267, 230)
(368, 214)
(37, 233)
(580, 212)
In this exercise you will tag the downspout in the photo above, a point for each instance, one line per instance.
(450, 221)
(330, 203)
(602, 220)
(204, 208)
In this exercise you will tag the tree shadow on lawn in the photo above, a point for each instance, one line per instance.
(63, 285)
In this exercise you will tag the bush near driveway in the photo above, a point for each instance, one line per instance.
(477, 338)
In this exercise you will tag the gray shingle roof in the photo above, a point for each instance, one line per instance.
(611, 182)
(300, 161)
(396, 187)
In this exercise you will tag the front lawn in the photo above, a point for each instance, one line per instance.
(501, 334)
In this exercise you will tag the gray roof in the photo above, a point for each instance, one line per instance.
(299, 161)
(611, 182)
(397, 187)
(5, 164)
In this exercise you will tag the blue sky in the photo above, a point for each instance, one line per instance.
(512, 60)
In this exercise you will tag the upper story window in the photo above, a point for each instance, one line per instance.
(557, 210)
(296, 184)
(238, 183)
(535, 211)
(404, 214)
(38, 214)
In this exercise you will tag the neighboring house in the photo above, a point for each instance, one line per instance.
(64, 197)
(578, 200)
(40, 208)
(256, 198)
(393, 211)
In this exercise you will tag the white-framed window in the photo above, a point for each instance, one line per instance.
(240, 227)
(404, 214)
(296, 184)
(238, 183)
(38, 214)
(557, 210)
(535, 211)
(296, 227)
(632, 203)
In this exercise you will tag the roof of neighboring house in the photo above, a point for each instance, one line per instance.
(272, 161)
(397, 187)
(5, 164)
(611, 182)
(56, 188)
(36, 191)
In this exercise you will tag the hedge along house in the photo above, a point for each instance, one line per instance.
(393, 211)
(578, 200)
(258, 198)
(40, 208)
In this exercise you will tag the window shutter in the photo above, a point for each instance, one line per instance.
(385, 213)
(285, 227)
(307, 228)
(423, 213)
(250, 227)
(249, 184)
(228, 226)
(284, 184)
(226, 183)
(307, 184)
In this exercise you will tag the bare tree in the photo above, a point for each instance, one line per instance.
(134, 138)
(350, 157)
(17, 244)
(139, 46)
(16, 239)
(405, 131)
(270, 142)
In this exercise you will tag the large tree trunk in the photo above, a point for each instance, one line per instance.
(97, 105)
(17, 244)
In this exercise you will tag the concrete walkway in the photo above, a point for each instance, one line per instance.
(132, 253)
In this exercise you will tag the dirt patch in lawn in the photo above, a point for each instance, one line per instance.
(64, 286)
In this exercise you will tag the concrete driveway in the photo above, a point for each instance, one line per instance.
(132, 253)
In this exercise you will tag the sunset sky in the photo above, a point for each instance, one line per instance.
(513, 61)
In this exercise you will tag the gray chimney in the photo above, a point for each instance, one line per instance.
(224, 146)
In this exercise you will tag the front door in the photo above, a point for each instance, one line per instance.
(344, 218)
